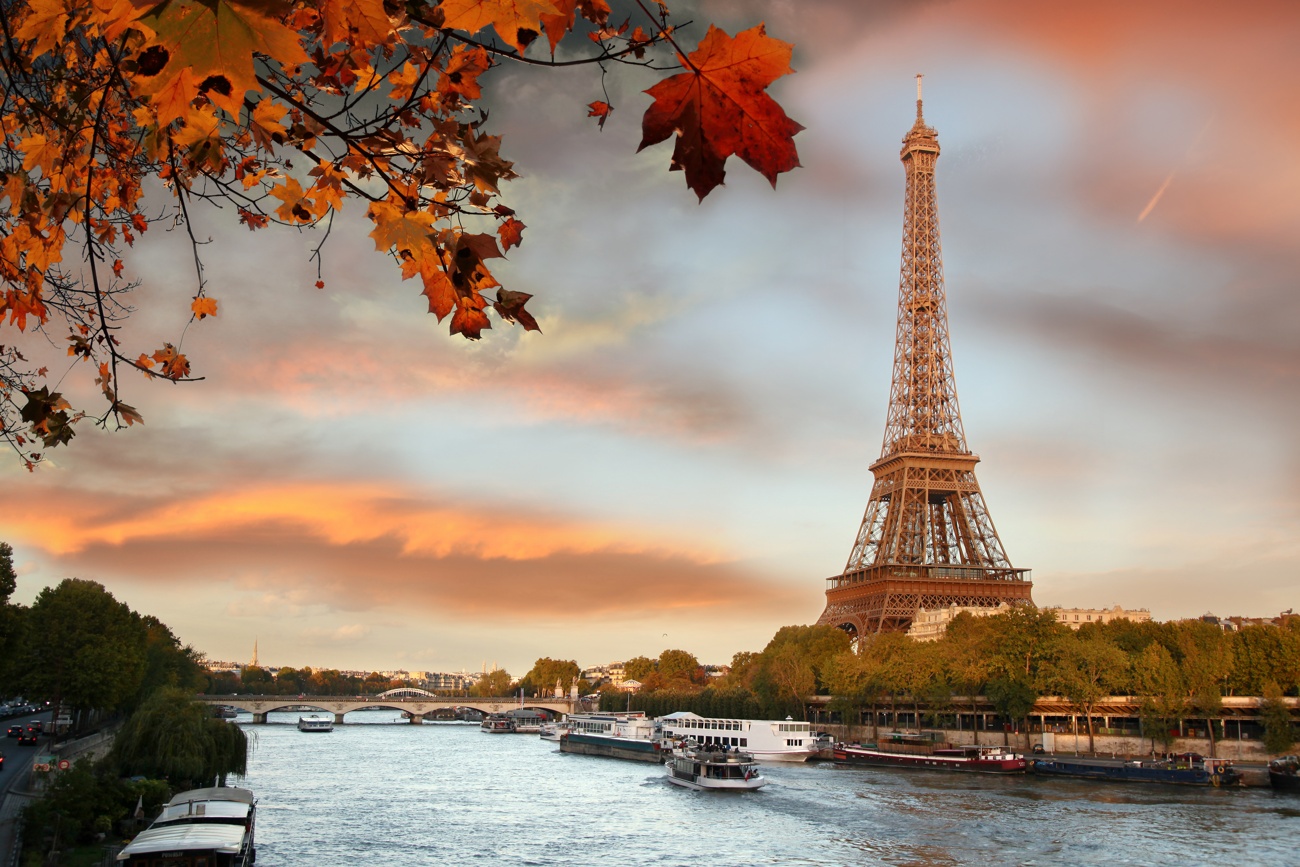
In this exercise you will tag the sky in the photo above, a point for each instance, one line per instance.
(681, 458)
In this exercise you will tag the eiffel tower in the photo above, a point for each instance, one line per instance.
(926, 539)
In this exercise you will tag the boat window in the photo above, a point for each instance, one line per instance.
(744, 742)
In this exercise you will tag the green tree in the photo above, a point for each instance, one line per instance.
(174, 737)
(546, 672)
(1013, 698)
(1159, 681)
(965, 647)
(1279, 734)
(494, 684)
(12, 622)
(1086, 670)
(1206, 665)
(1261, 654)
(1021, 639)
(786, 678)
(86, 650)
(8, 577)
(255, 680)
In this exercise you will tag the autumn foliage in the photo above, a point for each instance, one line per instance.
(119, 114)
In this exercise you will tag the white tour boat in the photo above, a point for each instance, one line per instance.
(210, 827)
(766, 740)
(552, 731)
(714, 769)
(316, 723)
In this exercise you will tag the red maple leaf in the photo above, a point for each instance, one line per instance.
(719, 108)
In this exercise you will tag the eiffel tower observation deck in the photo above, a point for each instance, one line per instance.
(926, 540)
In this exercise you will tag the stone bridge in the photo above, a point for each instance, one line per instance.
(416, 702)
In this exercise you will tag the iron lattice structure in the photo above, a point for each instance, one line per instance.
(926, 540)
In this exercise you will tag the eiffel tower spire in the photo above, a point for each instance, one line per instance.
(926, 539)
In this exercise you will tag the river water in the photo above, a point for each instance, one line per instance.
(381, 792)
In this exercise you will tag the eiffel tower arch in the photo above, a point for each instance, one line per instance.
(926, 539)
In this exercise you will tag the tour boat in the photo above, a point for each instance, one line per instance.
(210, 827)
(912, 751)
(315, 723)
(766, 740)
(616, 735)
(1284, 774)
(552, 731)
(497, 724)
(714, 769)
(1187, 769)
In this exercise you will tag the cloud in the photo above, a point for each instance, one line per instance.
(356, 547)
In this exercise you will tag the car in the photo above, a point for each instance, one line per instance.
(29, 736)
(2, 761)
(15, 731)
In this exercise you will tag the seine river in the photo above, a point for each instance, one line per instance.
(386, 793)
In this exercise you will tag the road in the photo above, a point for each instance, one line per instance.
(14, 774)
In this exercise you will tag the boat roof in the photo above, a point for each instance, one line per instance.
(210, 810)
(214, 793)
(681, 714)
(170, 838)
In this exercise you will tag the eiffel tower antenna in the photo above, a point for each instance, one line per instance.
(926, 540)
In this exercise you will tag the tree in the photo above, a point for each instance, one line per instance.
(1021, 639)
(493, 684)
(1086, 670)
(175, 737)
(86, 649)
(302, 107)
(639, 668)
(965, 648)
(11, 621)
(1157, 678)
(1279, 734)
(1206, 665)
(546, 672)
(681, 670)
(166, 661)
(1013, 698)
(8, 578)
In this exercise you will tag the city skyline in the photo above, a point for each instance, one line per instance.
(681, 459)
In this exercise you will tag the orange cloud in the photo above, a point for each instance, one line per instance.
(359, 547)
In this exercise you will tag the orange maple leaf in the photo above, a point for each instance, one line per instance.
(511, 233)
(362, 22)
(719, 108)
(517, 22)
(469, 319)
(463, 70)
(203, 307)
(600, 110)
(216, 40)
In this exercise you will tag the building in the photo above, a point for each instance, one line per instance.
(930, 624)
(1076, 617)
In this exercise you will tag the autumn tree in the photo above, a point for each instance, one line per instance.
(124, 117)
(1206, 666)
(174, 737)
(639, 668)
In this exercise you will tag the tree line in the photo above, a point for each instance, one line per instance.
(78, 648)
(1177, 670)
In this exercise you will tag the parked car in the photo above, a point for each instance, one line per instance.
(15, 731)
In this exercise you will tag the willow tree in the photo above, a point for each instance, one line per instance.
(172, 736)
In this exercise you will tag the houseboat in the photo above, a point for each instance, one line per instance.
(497, 724)
(210, 827)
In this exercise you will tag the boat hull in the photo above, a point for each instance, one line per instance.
(880, 759)
(702, 785)
(612, 747)
(1133, 772)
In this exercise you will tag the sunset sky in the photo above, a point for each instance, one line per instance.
(681, 458)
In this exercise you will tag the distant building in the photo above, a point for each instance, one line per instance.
(222, 665)
(440, 680)
(930, 624)
(1076, 617)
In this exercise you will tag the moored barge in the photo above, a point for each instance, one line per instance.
(1188, 769)
(935, 757)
